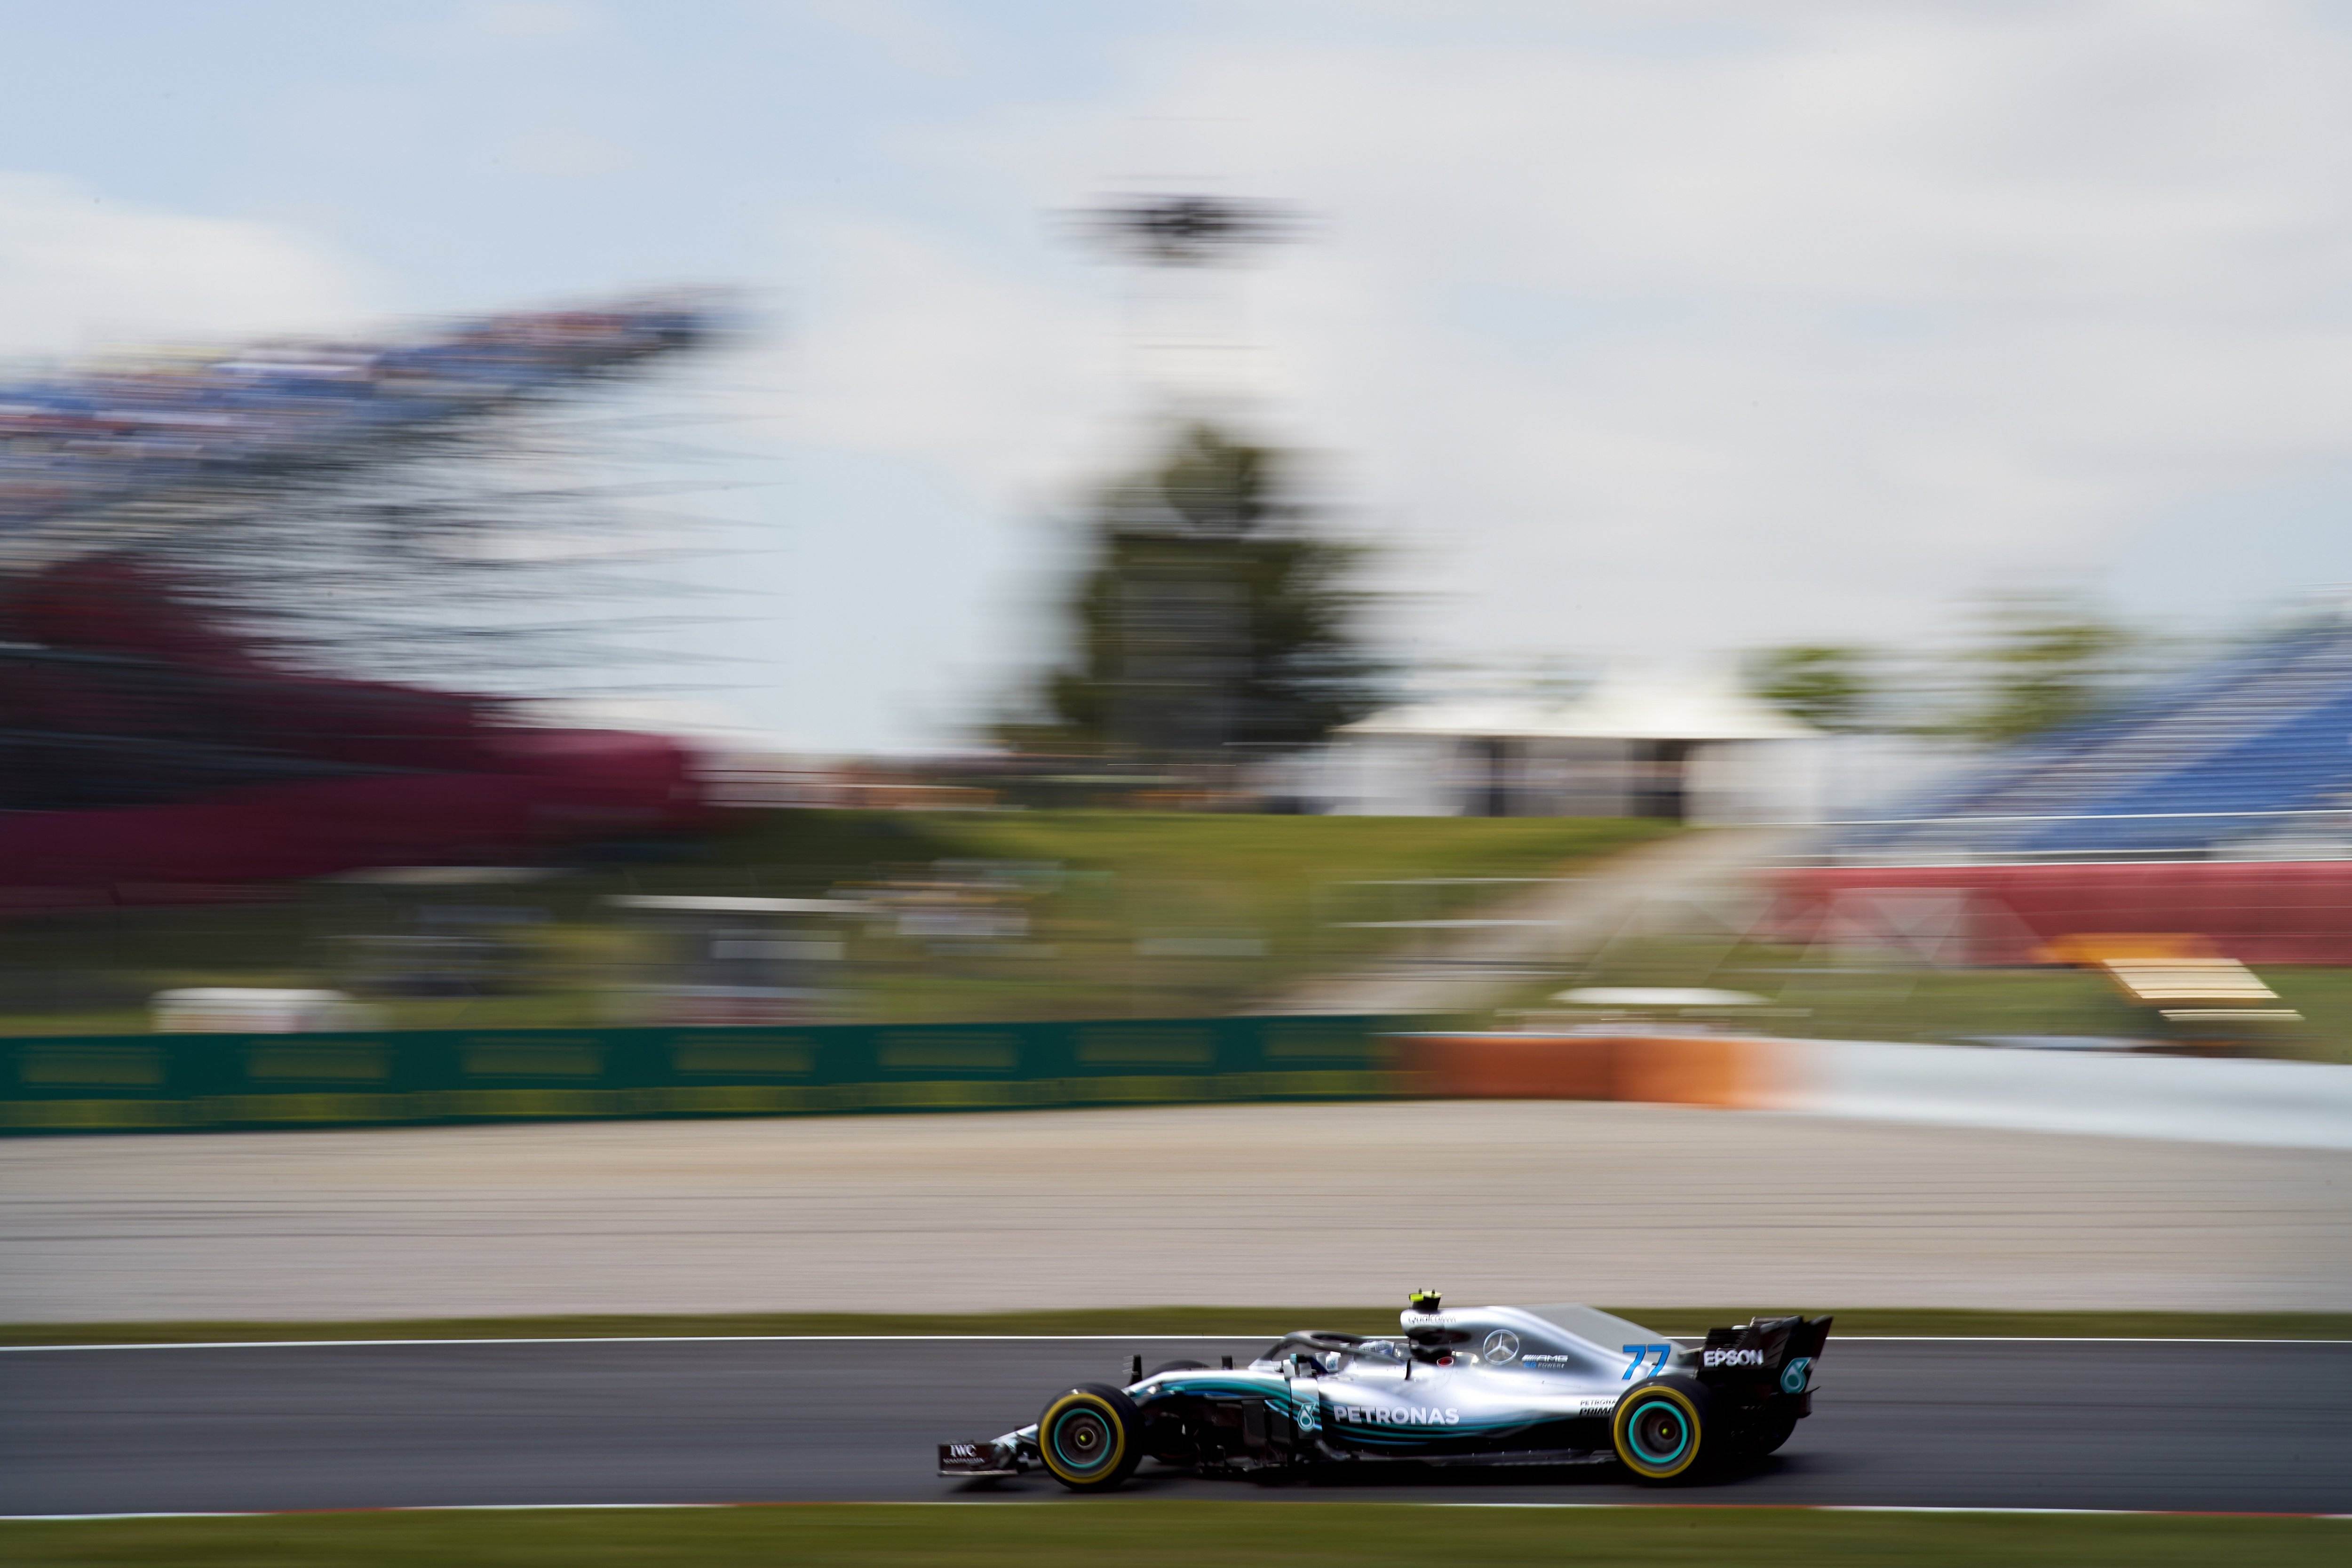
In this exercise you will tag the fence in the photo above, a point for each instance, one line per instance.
(156, 1082)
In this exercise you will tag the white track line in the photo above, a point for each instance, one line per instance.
(1074, 1339)
(1027, 1502)
(1903, 1508)
(638, 1339)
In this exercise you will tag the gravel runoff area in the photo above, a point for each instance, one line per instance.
(1239, 1205)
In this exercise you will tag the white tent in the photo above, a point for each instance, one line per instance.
(1679, 747)
(1623, 708)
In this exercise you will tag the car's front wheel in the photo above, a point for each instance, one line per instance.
(1090, 1437)
(1661, 1428)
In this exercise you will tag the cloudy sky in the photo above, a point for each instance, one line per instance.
(1640, 330)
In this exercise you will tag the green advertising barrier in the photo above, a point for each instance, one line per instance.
(156, 1082)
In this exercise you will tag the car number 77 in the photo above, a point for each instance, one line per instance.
(1638, 1352)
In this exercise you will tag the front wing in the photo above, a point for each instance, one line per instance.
(977, 1461)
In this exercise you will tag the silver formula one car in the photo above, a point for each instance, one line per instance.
(1478, 1385)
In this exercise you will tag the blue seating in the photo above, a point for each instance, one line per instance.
(2193, 765)
(2302, 763)
(75, 446)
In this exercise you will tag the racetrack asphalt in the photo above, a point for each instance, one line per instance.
(2171, 1425)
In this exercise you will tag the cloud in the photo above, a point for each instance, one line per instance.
(1824, 334)
(903, 343)
(79, 272)
(1704, 336)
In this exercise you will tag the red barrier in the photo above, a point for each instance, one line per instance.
(116, 679)
(555, 785)
(2259, 911)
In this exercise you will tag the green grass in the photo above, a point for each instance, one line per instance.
(1293, 886)
(1851, 997)
(1269, 1321)
(1149, 1535)
(1284, 888)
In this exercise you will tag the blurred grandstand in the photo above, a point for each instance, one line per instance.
(2219, 805)
(77, 450)
(209, 564)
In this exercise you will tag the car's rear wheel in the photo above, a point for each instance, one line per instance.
(1090, 1437)
(1661, 1428)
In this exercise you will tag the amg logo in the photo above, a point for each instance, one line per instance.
(1734, 1358)
(1380, 1416)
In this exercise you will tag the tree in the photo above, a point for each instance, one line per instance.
(1211, 614)
(1825, 686)
(2048, 661)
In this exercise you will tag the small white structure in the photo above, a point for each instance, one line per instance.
(1680, 750)
(254, 1010)
(1675, 996)
(723, 960)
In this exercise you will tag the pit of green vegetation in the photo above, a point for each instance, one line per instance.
(1268, 1322)
(1147, 1534)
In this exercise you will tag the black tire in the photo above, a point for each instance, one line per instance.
(1662, 1431)
(1090, 1438)
(1177, 1366)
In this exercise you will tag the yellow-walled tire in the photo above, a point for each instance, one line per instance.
(1660, 1429)
(1090, 1437)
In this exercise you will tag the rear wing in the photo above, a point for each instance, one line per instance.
(1779, 1352)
